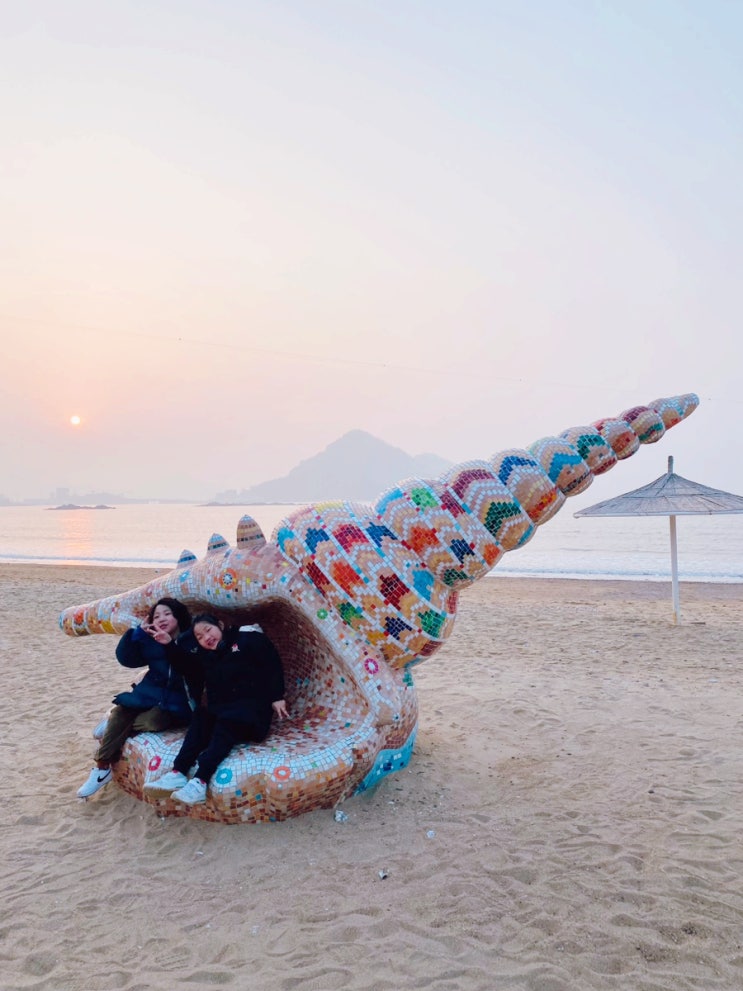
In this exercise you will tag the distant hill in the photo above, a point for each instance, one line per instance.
(357, 467)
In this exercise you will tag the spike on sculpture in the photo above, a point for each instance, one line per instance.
(353, 596)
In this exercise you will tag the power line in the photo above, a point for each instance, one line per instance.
(450, 371)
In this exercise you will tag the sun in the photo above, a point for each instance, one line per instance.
(75, 420)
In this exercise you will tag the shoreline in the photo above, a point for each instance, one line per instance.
(154, 571)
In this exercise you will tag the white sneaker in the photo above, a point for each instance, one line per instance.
(100, 729)
(97, 779)
(171, 781)
(194, 793)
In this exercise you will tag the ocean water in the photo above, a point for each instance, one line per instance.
(710, 548)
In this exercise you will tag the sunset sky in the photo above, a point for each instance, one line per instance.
(233, 231)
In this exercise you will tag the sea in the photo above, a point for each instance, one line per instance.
(710, 548)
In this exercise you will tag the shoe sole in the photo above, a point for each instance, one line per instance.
(187, 801)
(155, 789)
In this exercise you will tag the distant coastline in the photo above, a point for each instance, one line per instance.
(357, 467)
(241, 503)
(73, 505)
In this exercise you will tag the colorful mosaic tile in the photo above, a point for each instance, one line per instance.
(353, 596)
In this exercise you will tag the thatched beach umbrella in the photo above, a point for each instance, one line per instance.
(672, 496)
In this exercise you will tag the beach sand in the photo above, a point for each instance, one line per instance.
(572, 818)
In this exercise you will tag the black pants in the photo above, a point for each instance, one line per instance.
(208, 741)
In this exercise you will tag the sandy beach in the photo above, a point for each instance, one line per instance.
(572, 818)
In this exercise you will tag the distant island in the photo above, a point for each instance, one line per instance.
(72, 505)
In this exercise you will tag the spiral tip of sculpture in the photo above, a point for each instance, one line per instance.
(446, 532)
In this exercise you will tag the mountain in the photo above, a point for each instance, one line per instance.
(357, 467)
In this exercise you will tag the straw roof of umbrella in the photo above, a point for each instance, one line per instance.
(669, 495)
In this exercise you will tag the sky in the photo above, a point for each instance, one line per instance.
(231, 232)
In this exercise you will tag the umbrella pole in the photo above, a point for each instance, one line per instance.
(674, 570)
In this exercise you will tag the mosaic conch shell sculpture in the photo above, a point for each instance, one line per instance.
(353, 596)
